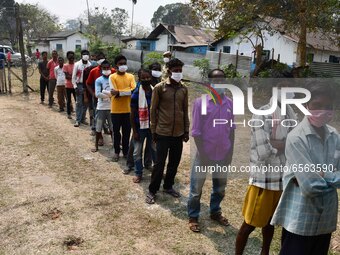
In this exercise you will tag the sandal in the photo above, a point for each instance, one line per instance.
(220, 219)
(172, 192)
(101, 142)
(137, 179)
(115, 158)
(194, 226)
(94, 150)
(150, 198)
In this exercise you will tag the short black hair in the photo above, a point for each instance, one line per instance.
(155, 64)
(174, 62)
(211, 72)
(142, 70)
(320, 88)
(44, 52)
(84, 52)
(60, 58)
(105, 62)
(119, 58)
(100, 55)
(69, 53)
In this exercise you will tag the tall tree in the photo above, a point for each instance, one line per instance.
(119, 21)
(7, 21)
(72, 24)
(37, 22)
(175, 14)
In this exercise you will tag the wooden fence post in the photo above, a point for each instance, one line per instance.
(236, 65)
(9, 78)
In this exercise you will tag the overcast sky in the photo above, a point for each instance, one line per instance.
(71, 9)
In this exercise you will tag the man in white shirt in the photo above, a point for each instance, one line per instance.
(61, 81)
(79, 86)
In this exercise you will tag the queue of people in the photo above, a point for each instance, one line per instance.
(156, 110)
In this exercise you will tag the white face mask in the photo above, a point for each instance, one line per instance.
(166, 60)
(177, 76)
(123, 68)
(106, 72)
(100, 61)
(156, 74)
(85, 57)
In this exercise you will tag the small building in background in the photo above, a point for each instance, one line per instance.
(62, 42)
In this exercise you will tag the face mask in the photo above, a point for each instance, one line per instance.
(100, 61)
(145, 83)
(320, 118)
(177, 76)
(123, 68)
(106, 72)
(85, 57)
(166, 60)
(156, 74)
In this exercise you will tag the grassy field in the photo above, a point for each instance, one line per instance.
(59, 198)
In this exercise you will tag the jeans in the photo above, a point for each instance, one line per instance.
(51, 88)
(69, 93)
(166, 145)
(197, 179)
(80, 106)
(144, 134)
(121, 120)
(43, 88)
(147, 154)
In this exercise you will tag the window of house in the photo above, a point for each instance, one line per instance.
(226, 49)
(59, 47)
(266, 55)
(78, 47)
(334, 59)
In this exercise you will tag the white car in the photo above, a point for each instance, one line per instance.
(16, 56)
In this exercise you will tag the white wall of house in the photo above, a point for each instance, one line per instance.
(69, 44)
(162, 43)
(281, 45)
(41, 47)
(323, 55)
(76, 39)
(131, 45)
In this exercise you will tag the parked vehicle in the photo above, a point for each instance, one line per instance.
(16, 56)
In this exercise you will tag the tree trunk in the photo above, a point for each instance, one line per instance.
(302, 45)
(258, 63)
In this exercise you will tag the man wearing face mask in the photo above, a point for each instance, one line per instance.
(79, 85)
(122, 84)
(308, 207)
(166, 59)
(94, 74)
(265, 187)
(156, 73)
(169, 127)
(214, 147)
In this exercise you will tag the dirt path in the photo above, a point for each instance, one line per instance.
(54, 192)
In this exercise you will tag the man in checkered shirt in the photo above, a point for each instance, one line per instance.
(265, 186)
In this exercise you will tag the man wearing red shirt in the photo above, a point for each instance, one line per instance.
(90, 84)
(52, 81)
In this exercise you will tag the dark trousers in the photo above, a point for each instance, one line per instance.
(166, 145)
(292, 244)
(43, 88)
(69, 93)
(121, 121)
(51, 88)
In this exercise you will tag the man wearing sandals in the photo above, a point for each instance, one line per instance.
(214, 147)
(169, 127)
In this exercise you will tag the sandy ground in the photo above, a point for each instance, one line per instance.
(59, 198)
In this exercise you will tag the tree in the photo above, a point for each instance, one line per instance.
(7, 21)
(175, 14)
(208, 12)
(119, 21)
(37, 22)
(72, 24)
(298, 17)
(140, 31)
